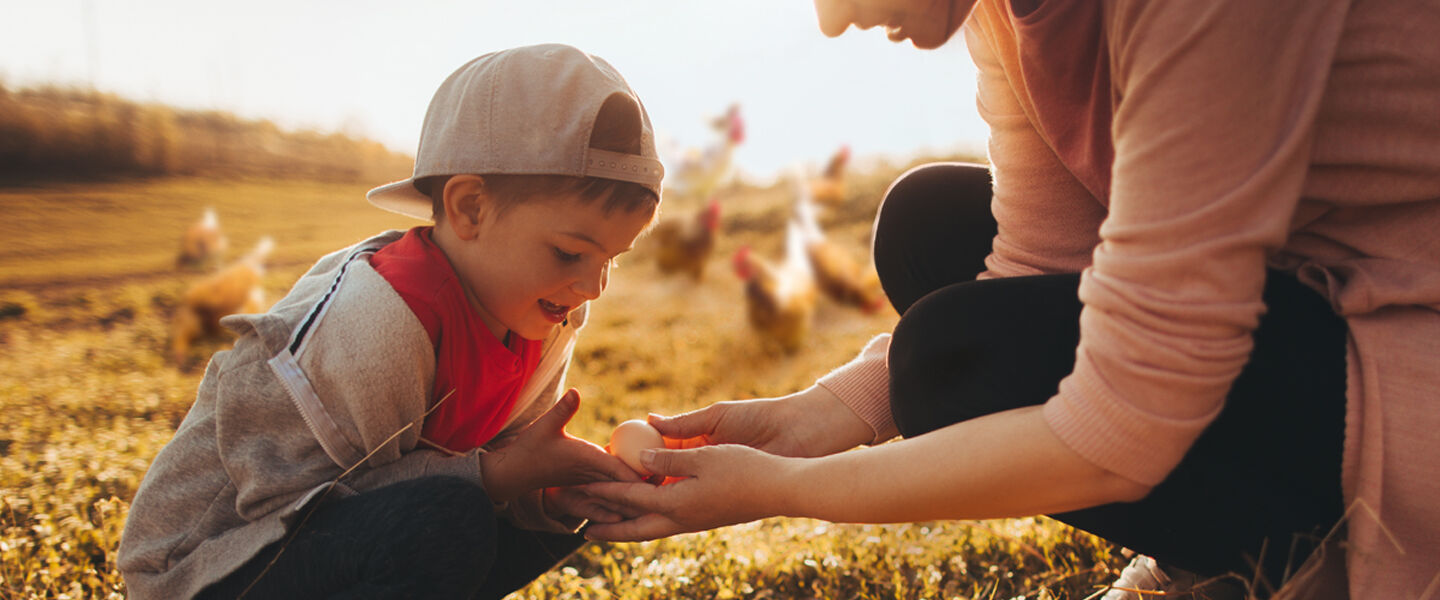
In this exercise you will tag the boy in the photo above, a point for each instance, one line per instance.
(363, 434)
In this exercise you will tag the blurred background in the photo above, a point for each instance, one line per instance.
(367, 69)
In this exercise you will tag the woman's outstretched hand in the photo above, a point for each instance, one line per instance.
(811, 422)
(713, 486)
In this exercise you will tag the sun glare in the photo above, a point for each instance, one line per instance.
(370, 71)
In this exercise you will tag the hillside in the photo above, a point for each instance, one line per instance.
(65, 134)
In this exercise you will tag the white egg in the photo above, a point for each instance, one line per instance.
(629, 438)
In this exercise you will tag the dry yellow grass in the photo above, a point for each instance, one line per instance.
(87, 282)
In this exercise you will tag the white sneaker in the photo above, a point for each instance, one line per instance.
(1141, 575)
(1143, 579)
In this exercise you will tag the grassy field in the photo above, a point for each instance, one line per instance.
(87, 285)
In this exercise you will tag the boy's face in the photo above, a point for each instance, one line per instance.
(531, 265)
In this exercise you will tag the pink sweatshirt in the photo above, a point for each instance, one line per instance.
(1171, 151)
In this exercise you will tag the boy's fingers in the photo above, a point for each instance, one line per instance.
(648, 527)
(576, 502)
(625, 512)
(561, 412)
(598, 514)
(616, 470)
(591, 464)
(621, 511)
(634, 498)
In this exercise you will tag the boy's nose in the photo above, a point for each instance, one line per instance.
(590, 287)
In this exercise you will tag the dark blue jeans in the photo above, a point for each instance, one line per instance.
(1265, 475)
(434, 537)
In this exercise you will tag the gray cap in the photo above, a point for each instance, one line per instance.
(522, 111)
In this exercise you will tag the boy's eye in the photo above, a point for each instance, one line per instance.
(566, 256)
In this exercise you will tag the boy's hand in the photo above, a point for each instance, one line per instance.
(575, 502)
(543, 455)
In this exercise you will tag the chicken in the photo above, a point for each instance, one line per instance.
(685, 244)
(204, 244)
(837, 274)
(234, 289)
(779, 298)
(697, 173)
(830, 187)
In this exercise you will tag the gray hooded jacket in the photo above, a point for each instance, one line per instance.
(322, 397)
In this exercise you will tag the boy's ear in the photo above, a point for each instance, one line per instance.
(467, 204)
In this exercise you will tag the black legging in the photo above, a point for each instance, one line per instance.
(1267, 469)
(433, 537)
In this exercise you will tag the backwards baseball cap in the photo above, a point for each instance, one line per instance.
(522, 111)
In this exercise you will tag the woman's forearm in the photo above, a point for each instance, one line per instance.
(1001, 465)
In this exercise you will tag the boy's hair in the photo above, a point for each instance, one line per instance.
(617, 128)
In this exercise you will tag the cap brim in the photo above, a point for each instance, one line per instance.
(401, 197)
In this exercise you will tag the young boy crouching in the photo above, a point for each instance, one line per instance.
(364, 435)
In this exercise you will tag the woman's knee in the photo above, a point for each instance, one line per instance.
(982, 347)
(933, 352)
(933, 228)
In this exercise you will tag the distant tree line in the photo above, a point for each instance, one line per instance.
(63, 133)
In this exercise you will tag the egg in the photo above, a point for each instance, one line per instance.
(630, 438)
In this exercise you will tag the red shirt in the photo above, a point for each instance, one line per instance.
(485, 375)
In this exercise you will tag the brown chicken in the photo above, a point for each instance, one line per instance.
(830, 187)
(842, 279)
(232, 290)
(779, 298)
(838, 275)
(204, 244)
(685, 244)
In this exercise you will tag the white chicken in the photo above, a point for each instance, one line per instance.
(696, 173)
(234, 289)
(779, 297)
(838, 275)
(203, 244)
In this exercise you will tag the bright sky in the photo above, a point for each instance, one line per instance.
(369, 67)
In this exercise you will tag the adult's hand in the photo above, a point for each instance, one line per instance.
(973, 469)
(811, 422)
(717, 486)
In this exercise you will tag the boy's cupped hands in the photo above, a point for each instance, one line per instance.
(544, 456)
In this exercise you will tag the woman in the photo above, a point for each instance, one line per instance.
(1244, 197)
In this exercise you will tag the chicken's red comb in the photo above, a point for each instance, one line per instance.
(737, 126)
(742, 263)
